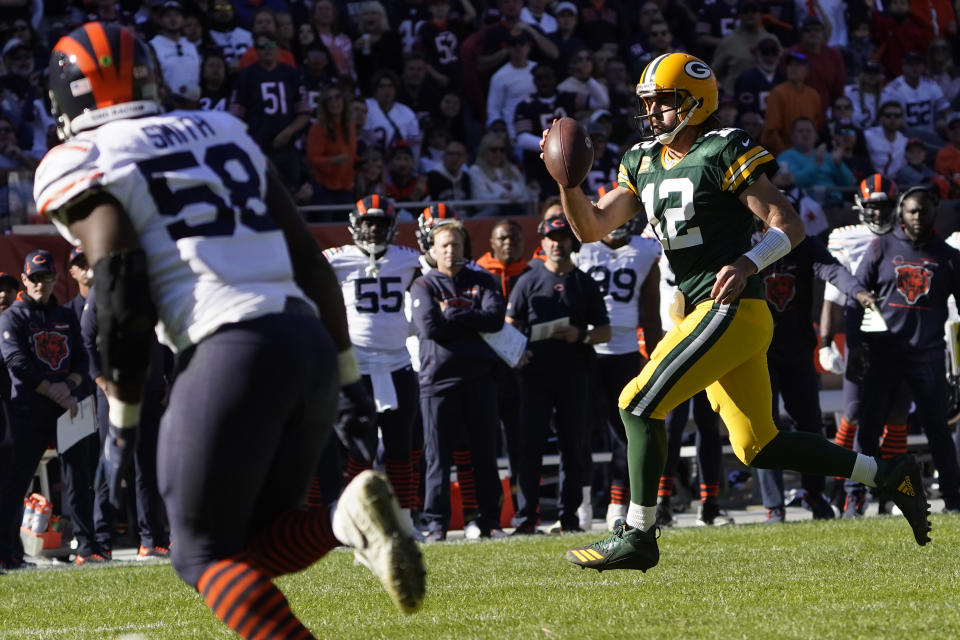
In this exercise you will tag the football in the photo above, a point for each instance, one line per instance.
(568, 152)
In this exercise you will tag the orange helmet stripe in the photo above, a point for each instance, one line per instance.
(375, 201)
(361, 207)
(442, 209)
(125, 70)
(70, 47)
(876, 183)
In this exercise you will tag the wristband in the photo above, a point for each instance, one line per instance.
(774, 245)
(123, 415)
(586, 337)
(347, 363)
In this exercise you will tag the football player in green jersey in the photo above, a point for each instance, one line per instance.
(700, 187)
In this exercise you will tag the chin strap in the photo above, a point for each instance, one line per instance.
(667, 138)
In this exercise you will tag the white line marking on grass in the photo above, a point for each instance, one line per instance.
(39, 632)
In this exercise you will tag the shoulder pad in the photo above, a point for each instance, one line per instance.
(66, 171)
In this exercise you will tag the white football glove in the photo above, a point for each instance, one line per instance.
(830, 359)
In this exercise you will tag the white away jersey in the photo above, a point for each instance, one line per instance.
(847, 244)
(374, 301)
(193, 184)
(620, 274)
(919, 103)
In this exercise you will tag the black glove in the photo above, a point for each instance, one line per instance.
(356, 424)
(118, 451)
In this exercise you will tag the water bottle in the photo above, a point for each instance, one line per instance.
(28, 513)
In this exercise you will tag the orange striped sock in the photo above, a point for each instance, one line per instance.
(292, 542)
(354, 467)
(468, 484)
(245, 600)
(314, 494)
(619, 494)
(415, 456)
(398, 471)
(845, 435)
(666, 487)
(709, 490)
(894, 441)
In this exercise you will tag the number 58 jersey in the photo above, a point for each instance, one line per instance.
(694, 206)
(194, 186)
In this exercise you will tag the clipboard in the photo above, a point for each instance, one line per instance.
(509, 343)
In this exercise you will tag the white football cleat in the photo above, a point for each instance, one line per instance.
(368, 519)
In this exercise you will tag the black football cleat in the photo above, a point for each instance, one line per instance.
(902, 482)
(628, 548)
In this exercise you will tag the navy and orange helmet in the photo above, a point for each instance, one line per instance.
(101, 72)
(437, 214)
(381, 223)
(875, 202)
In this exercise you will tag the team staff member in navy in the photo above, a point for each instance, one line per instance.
(788, 288)
(912, 272)
(9, 286)
(559, 290)
(40, 343)
(451, 305)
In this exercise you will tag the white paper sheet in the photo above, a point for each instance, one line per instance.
(71, 430)
(543, 330)
(509, 343)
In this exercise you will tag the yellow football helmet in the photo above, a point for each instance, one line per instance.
(692, 83)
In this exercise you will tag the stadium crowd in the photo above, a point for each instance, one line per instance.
(430, 103)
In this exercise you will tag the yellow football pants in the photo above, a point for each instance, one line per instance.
(722, 349)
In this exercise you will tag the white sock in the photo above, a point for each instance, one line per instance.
(641, 517)
(864, 470)
(586, 497)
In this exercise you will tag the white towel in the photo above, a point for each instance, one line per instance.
(384, 393)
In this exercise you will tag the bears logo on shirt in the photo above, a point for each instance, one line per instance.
(780, 289)
(913, 280)
(51, 348)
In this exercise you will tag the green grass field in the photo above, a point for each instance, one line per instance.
(863, 579)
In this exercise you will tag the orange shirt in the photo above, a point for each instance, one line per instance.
(948, 161)
(785, 104)
(320, 148)
(250, 56)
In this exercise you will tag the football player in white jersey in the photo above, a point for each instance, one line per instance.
(374, 275)
(875, 203)
(184, 222)
(625, 267)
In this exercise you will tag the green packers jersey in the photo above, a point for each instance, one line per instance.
(694, 207)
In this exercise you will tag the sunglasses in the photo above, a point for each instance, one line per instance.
(891, 115)
(843, 107)
(39, 278)
(269, 44)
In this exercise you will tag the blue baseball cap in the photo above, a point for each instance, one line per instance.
(75, 253)
(39, 261)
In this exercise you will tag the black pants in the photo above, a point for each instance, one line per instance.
(464, 416)
(249, 412)
(567, 394)
(794, 378)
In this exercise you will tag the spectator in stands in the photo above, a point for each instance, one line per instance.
(895, 33)
(389, 121)
(377, 46)
(789, 101)
(752, 123)
(854, 151)
(552, 292)
(753, 86)
(606, 160)
(370, 172)
(911, 271)
(737, 51)
(178, 57)
(659, 42)
(827, 73)
(567, 38)
(265, 23)
(317, 73)
(714, 21)
(865, 94)
(590, 93)
(332, 149)
(832, 14)
(9, 287)
(439, 39)
(860, 49)
(402, 182)
(922, 99)
(22, 98)
(268, 96)
(232, 39)
(496, 50)
(947, 162)
(193, 31)
(511, 83)
(538, 110)
(493, 177)
(48, 369)
(328, 27)
(886, 144)
(451, 180)
(435, 141)
(813, 165)
(535, 14)
(449, 114)
(916, 171)
(451, 305)
(942, 69)
(287, 34)
(215, 85)
(839, 115)
(417, 89)
(23, 31)
(604, 23)
(16, 178)
(623, 99)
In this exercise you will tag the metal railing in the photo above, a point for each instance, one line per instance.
(418, 205)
